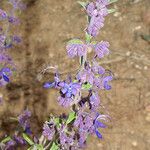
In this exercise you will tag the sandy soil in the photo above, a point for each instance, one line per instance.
(46, 27)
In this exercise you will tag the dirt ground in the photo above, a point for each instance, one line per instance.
(46, 27)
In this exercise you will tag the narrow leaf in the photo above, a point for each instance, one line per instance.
(75, 41)
(83, 4)
(54, 146)
(31, 148)
(86, 86)
(94, 42)
(111, 11)
(71, 117)
(112, 1)
(5, 140)
(28, 139)
(39, 147)
(88, 37)
(57, 121)
(146, 37)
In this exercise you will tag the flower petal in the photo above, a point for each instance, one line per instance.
(49, 85)
(98, 134)
(5, 77)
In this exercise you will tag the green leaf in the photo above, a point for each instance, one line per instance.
(57, 121)
(75, 81)
(39, 147)
(94, 42)
(28, 139)
(83, 4)
(112, 1)
(111, 11)
(5, 140)
(54, 146)
(71, 117)
(88, 37)
(31, 148)
(75, 41)
(36, 147)
(86, 86)
(146, 37)
(13, 119)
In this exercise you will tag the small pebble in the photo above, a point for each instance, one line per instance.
(137, 28)
(100, 145)
(117, 14)
(89, 50)
(128, 53)
(145, 67)
(134, 143)
(137, 66)
(147, 118)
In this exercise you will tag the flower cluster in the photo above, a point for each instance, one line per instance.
(75, 49)
(14, 142)
(23, 120)
(7, 39)
(96, 11)
(80, 92)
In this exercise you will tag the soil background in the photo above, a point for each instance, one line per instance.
(46, 26)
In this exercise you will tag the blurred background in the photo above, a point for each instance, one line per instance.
(46, 26)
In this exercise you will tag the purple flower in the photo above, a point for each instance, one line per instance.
(96, 22)
(96, 11)
(84, 121)
(13, 20)
(90, 8)
(4, 76)
(106, 80)
(66, 140)
(98, 82)
(82, 139)
(76, 50)
(17, 4)
(98, 124)
(65, 101)
(19, 140)
(53, 84)
(49, 85)
(2, 41)
(10, 145)
(69, 89)
(16, 39)
(102, 3)
(85, 125)
(3, 14)
(88, 123)
(94, 100)
(49, 130)
(101, 49)
(98, 69)
(24, 121)
(86, 75)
